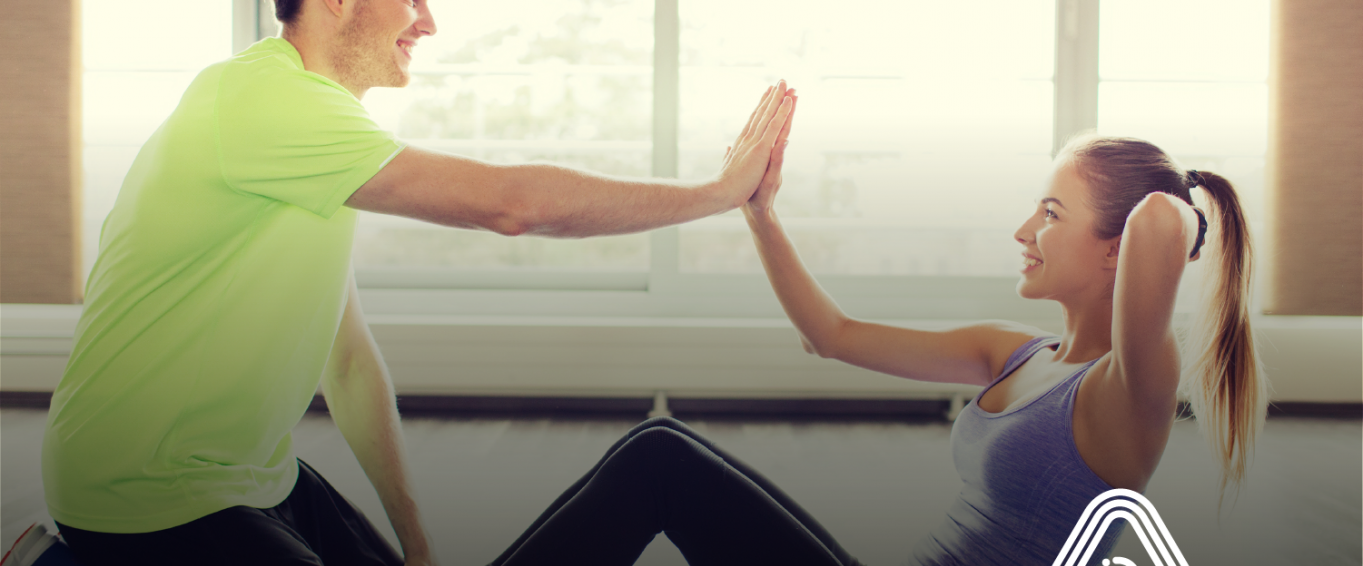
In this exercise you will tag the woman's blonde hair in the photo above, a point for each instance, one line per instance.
(1222, 378)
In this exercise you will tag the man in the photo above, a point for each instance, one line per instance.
(223, 293)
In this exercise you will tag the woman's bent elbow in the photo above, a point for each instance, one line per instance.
(821, 349)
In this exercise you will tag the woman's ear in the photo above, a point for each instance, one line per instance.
(1113, 248)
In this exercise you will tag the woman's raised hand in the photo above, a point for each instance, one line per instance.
(746, 163)
(763, 198)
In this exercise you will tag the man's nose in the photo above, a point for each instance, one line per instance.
(425, 23)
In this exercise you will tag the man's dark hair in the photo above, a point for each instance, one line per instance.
(286, 11)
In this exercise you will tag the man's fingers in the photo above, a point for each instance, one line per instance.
(753, 117)
(773, 103)
(777, 122)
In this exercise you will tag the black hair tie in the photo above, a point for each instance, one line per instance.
(1195, 178)
(1201, 232)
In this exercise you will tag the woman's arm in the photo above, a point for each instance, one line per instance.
(973, 354)
(1160, 233)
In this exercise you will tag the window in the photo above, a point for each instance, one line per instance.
(565, 81)
(138, 63)
(1191, 77)
(924, 133)
(902, 104)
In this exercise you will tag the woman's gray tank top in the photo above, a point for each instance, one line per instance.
(1025, 483)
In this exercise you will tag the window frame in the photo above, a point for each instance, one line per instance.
(663, 290)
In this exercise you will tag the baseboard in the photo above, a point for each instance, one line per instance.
(1332, 410)
(907, 409)
(25, 399)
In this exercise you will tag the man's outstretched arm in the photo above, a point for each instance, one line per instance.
(550, 200)
(359, 393)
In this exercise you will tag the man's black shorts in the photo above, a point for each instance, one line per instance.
(314, 525)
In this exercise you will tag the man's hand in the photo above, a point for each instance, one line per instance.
(745, 162)
(763, 198)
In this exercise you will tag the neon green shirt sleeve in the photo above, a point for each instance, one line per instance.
(297, 137)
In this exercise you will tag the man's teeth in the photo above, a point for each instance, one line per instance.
(1031, 261)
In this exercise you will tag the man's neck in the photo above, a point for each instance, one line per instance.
(317, 58)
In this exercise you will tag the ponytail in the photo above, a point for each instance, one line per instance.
(1223, 380)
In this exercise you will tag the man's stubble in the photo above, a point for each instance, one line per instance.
(365, 56)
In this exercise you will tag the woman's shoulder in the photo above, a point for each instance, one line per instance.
(1005, 340)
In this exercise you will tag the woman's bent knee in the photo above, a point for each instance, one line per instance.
(656, 422)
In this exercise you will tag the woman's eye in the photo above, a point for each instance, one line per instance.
(1050, 214)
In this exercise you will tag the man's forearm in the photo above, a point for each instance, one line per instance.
(562, 202)
(541, 199)
(364, 408)
(550, 200)
(360, 397)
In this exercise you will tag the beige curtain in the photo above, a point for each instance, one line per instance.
(1315, 162)
(40, 147)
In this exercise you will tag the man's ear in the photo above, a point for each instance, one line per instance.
(336, 7)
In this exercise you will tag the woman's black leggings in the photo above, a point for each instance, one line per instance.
(664, 477)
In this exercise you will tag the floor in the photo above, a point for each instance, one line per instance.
(877, 486)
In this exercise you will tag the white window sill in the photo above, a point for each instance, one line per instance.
(615, 355)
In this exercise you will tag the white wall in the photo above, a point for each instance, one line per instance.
(1316, 359)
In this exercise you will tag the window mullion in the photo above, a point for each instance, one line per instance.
(1076, 69)
(245, 24)
(663, 245)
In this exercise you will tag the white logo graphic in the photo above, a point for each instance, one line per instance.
(1099, 515)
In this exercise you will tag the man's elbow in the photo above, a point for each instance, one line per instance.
(514, 212)
(508, 224)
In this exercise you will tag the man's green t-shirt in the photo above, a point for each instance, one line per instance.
(212, 307)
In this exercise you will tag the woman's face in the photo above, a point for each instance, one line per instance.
(1062, 258)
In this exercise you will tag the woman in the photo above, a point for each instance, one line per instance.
(1061, 420)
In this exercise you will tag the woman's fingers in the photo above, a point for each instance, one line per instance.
(771, 180)
(785, 130)
(765, 195)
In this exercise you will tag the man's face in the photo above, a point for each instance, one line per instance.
(377, 39)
